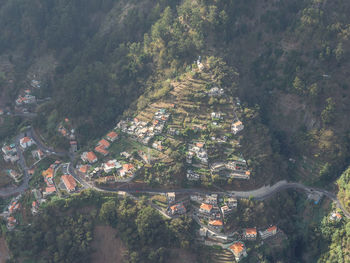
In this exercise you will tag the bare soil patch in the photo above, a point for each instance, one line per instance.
(108, 248)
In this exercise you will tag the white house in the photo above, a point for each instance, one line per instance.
(26, 142)
(110, 165)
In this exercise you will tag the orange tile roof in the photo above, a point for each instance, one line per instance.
(84, 169)
(25, 139)
(101, 150)
(69, 182)
(206, 207)
(128, 166)
(237, 247)
(177, 206)
(237, 123)
(112, 135)
(50, 189)
(216, 223)
(271, 229)
(200, 145)
(63, 131)
(338, 215)
(34, 204)
(91, 156)
(48, 173)
(247, 172)
(104, 143)
(250, 231)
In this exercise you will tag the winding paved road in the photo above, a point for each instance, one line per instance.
(258, 194)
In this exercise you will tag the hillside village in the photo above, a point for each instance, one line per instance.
(194, 120)
(195, 125)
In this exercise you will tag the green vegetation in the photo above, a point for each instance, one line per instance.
(64, 230)
(344, 189)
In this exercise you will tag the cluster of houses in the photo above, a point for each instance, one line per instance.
(11, 209)
(48, 175)
(10, 153)
(232, 169)
(25, 99)
(26, 142)
(144, 131)
(211, 212)
(174, 208)
(66, 130)
(101, 148)
(108, 170)
(238, 248)
(199, 151)
(38, 200)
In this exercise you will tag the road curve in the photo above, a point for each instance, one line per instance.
(258, 194)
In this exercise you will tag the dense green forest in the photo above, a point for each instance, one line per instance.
(64, 230)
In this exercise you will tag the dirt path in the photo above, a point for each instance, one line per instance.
(108, 248)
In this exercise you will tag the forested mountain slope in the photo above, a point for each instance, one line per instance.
(96, 58)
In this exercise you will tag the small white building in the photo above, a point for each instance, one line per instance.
(271, 231)
(110, 165)
(26, 142)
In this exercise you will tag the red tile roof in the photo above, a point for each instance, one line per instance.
(100, 149)
(104, 143)
(237, 248)
(250, 231)
(128, 166)
(272, 229)
(69, 182)
(112, 135)
(50, 189)
(25, 139)
(216, 223)
(90, 156)
(206, 207)
(84, 168)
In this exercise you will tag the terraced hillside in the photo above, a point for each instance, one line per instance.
(193, 130)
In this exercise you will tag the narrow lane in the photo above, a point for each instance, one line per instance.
(258, 194)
